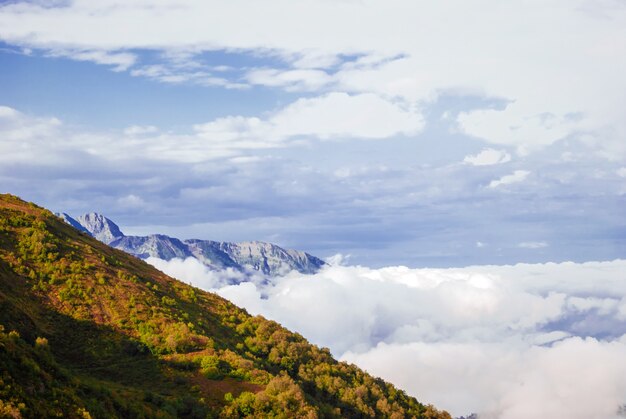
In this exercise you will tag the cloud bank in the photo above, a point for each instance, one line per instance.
(529, 340)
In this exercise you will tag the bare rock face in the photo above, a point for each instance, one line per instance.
(260, 256)
(154, 245)
(100, 227)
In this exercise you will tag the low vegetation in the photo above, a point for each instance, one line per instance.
(89, 331)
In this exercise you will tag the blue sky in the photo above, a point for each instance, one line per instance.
(431, 134)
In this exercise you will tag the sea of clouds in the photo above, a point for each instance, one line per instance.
(521, 341)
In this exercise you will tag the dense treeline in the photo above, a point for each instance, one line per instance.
(98, 333)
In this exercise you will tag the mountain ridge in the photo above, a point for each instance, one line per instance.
(267, 258)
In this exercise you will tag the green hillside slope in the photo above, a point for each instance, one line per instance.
(89, 331)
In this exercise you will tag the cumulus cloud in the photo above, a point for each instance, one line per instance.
(331, 116)
(502, 341)
(24, 136)
(517, 127)
(515, 177)
(341, 115)
(16, 126)
(488, 157)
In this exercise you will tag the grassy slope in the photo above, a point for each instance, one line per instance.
(90, 331)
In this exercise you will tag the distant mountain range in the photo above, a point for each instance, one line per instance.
(245, 256)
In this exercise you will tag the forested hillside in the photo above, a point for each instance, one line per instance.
(89, 331)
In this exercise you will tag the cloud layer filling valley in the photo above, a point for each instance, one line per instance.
(518, 341)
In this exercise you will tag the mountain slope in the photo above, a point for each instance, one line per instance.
(89, 331)
(73, 222)
(260, 256)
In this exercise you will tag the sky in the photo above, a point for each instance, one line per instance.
(428, 134)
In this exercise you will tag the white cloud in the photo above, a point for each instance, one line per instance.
(177, 74)
(334, 116)
(621, 172)
(532, 245)
(515, 177)
(331, 116)
(314, 59)
(337, 115)
(24, 137)
(17, 127)
(576, 378)
(503, 341)
(192, 271)
(131, 201)
(293, 80)
(8, 113)
(140, 130)
(605, 306)
(488, 157)
(121, 61)
(518, 127)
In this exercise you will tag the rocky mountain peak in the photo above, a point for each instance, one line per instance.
(100, 227)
